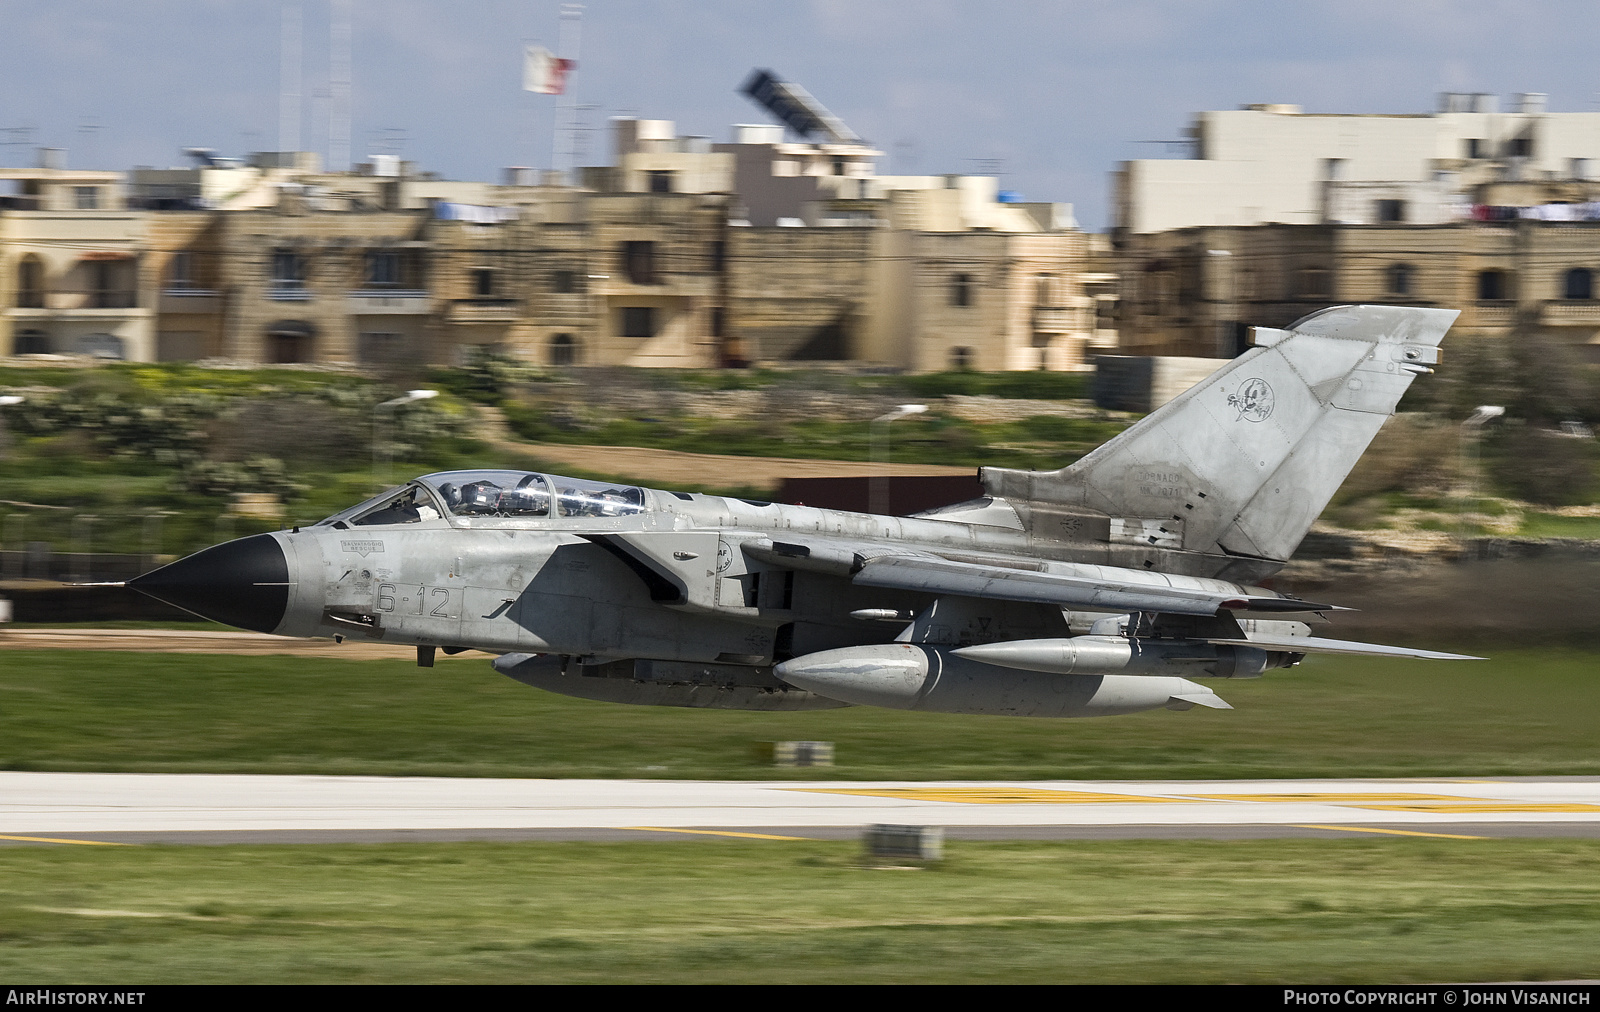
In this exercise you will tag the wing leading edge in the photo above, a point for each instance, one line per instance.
(934, 575)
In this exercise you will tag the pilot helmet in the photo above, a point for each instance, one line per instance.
(483, 495)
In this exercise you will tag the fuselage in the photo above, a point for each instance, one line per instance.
(551, 578)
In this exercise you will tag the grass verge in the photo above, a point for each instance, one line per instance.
(1128, 911)
(1527, 711)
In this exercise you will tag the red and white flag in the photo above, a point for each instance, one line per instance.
(544, 72)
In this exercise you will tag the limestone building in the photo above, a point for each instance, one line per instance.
(1266, 164)
(682, 253)
(74, 264)
(1195, 291)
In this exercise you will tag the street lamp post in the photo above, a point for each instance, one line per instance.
(878, 430)
(1482, 415)
(18, 519)
(382, 477)
(5, 402)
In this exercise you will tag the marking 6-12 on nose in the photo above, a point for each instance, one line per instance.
(408, 600)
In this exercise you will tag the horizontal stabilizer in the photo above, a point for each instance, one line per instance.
(1321, 645)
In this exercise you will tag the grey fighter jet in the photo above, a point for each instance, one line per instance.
(1124, 582)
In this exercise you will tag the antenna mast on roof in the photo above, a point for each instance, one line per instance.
(564, 145)
(339, 88)
(289, 81)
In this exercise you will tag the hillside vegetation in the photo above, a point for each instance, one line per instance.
(152, 458)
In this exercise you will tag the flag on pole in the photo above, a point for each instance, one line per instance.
(543, 71)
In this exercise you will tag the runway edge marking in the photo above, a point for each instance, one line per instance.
(1393, 832)
(53, 839)
(715, 832)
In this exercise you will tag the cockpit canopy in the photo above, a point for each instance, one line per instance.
(502, 494)
(525, 494)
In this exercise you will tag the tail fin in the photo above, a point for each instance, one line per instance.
(1241, 464)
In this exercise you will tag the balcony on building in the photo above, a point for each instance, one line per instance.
(184, 291)
(388, 301)
(390, 284)
(1054, 319)
(488, 301)
(77, 300)
(288, 279)
(100, 284)
(1570, 313)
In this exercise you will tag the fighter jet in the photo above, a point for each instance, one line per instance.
(1126, 581)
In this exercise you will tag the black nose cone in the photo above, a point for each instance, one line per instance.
(242, 583)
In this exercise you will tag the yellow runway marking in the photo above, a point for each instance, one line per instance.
(51, 839)
(1394, 832)
(992, 795)
(714, 832)
(1335, 799)
(1486, 806)
(1374, 801)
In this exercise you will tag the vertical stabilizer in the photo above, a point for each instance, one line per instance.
(1241, 464)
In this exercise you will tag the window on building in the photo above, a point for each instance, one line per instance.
(180, 270)
(1399, 278)
(30, 283)
(838, 165)
(718, 320)
(1492, 286)
(1476, 147)
(32, 342)
(110, 284)
(639, 261)
(1162, 288)
(563, 350)
(1578, 284)
(1581, 168)
(660, 180)
(1044, 290)
(638, 321)
(1105, 312)
(1247, 286)
(717, 256)
(86, 198)
(288, 271)
(563, 281)
(1333, 168)
(1314, 283)
(961, 358)
(961, 289)
(1519, 147)
(383, 269)
(482, 283)
(1390, 210)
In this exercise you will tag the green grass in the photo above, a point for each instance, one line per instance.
(1524, 712)
(1549, 525)
(1128, 911)
(1044, 442)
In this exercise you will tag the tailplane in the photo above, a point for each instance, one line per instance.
(1226, 478)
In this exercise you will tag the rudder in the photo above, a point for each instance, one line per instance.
(1242, 463)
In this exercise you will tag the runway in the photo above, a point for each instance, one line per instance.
(181, 808)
